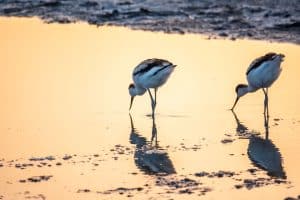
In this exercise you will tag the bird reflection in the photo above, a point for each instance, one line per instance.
(262, 151)
(148, 156)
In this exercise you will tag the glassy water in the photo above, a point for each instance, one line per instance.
(66, 131)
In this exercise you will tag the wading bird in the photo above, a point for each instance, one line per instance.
(261, 74)
(151, 73)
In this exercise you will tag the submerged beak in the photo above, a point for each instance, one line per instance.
(236, 100)
(131, 101)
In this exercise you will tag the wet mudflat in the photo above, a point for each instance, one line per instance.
(268, 20)
(66, 131)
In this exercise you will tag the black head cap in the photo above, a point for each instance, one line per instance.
(281, 55)
(270, 55)
(131, 85)
(240, 86)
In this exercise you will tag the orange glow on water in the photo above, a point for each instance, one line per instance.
(64, 91)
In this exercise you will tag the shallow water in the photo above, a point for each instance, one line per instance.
(64, 94)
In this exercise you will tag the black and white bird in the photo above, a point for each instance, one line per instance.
(261, 74)
(150, 73)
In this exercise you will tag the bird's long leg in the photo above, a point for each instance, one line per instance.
(267, 102)
(154, 131)
(155, 91)
(264, 101)
(152, 102)
(266, 118)
(266, 111)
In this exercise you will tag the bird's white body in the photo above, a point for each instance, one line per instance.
(151, 73)
(261, 74)
(154, 77)
(264, 75)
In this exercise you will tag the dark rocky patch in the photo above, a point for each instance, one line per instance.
(278, 21)
(238, 186)
(38, 196)
(201, 174)
(83, 191)
(259, 182)
(67, 157)
(249, 183)
(227, 140)
(291, 198)
(121, 150)
(36, 179)
(122, 190)
(183, 147)
(23, 166)
(49, 158)
(182, 186)
(123, 3)
(185, 191)
(183, 183)
(252, 170)
(51, 3)
(219, 174)
(89, 4)
(223, 34)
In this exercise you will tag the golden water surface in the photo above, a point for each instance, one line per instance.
(64, 91)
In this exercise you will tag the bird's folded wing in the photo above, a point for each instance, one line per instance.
(149, 64)
(258, 61)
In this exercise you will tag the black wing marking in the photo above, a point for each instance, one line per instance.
(258, 61)
(148, 64)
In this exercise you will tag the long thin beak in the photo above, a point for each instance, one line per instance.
(131, 101)
(236, 100)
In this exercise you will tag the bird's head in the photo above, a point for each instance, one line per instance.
(280, 57)
(240, 90)
(132, 93)
(275, 56)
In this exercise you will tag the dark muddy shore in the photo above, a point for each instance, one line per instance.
(277, 20)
